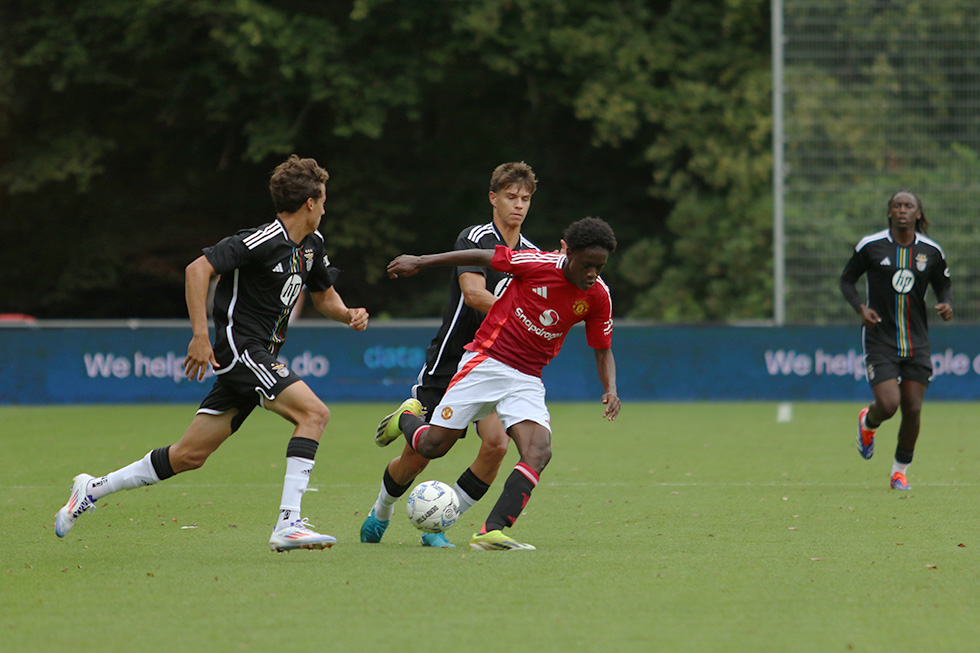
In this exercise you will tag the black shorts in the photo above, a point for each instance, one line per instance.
(429, 395)
(256, 376)
(884, 364)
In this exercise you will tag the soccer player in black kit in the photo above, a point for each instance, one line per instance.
(262, 272)
(898, 263)
(472, 291)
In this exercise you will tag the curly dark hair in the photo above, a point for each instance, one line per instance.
(294, 181)
(590, 232)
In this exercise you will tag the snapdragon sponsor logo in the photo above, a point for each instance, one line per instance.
(108, 365)
(783, 362)
(534, 328)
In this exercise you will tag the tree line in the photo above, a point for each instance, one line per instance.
(135, 132)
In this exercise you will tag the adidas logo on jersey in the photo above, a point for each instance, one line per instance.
(886, 261)
(543, 291)
(278, 268)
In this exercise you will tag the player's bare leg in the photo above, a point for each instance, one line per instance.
(300, 405)
(886, 403)
(204, 435)
(398, 477)
(883, 407)
(493, 447)
(908, 432)
(201, 439)
(533, 441)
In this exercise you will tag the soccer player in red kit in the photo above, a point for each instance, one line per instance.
(502, 368)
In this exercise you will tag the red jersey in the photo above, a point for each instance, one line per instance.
(526, 327)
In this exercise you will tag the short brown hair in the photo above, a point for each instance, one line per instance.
(508, 174)
(294, 181)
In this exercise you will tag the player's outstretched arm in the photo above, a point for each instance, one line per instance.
(407, 265)
(473, 285)
(606, 365)
(330, 303)
(197, 279)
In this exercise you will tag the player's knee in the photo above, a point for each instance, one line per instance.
(538, 455)
(432, 450)
(911, 414)
(911, 407)
(317, 415)
(887, 410)
(493, 452)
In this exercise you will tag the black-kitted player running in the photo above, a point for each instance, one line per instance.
(262, 271)
(898, 263)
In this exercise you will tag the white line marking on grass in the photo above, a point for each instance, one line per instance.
(321, 487)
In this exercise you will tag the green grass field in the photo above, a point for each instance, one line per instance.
(680, 527)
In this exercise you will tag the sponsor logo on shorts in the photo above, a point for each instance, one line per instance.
(534, 328)
(280, 369)
(871, 372)
(447, 412)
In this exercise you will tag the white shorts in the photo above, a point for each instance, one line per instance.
(483, 384)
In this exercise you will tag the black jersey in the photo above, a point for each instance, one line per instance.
(262, 273)
(896, 278)
(459, 321)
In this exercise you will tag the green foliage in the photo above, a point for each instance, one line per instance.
(878, 98)
(711, 155)
(158, 122)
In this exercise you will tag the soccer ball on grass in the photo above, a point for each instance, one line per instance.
(432, 507)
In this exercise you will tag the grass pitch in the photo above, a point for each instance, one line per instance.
(679, 527)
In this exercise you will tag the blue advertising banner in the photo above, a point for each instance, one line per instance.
(62, 363)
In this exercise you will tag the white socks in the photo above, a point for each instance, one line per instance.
(465, 501)
(131, 476)
(901, 468)
(141, 473)
(384, 505)
(293, 487)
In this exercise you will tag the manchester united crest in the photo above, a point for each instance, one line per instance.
(447, 412)
(580, 306)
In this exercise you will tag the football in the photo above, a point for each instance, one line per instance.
(432, 507)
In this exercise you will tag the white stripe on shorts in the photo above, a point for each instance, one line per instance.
(263, 375)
